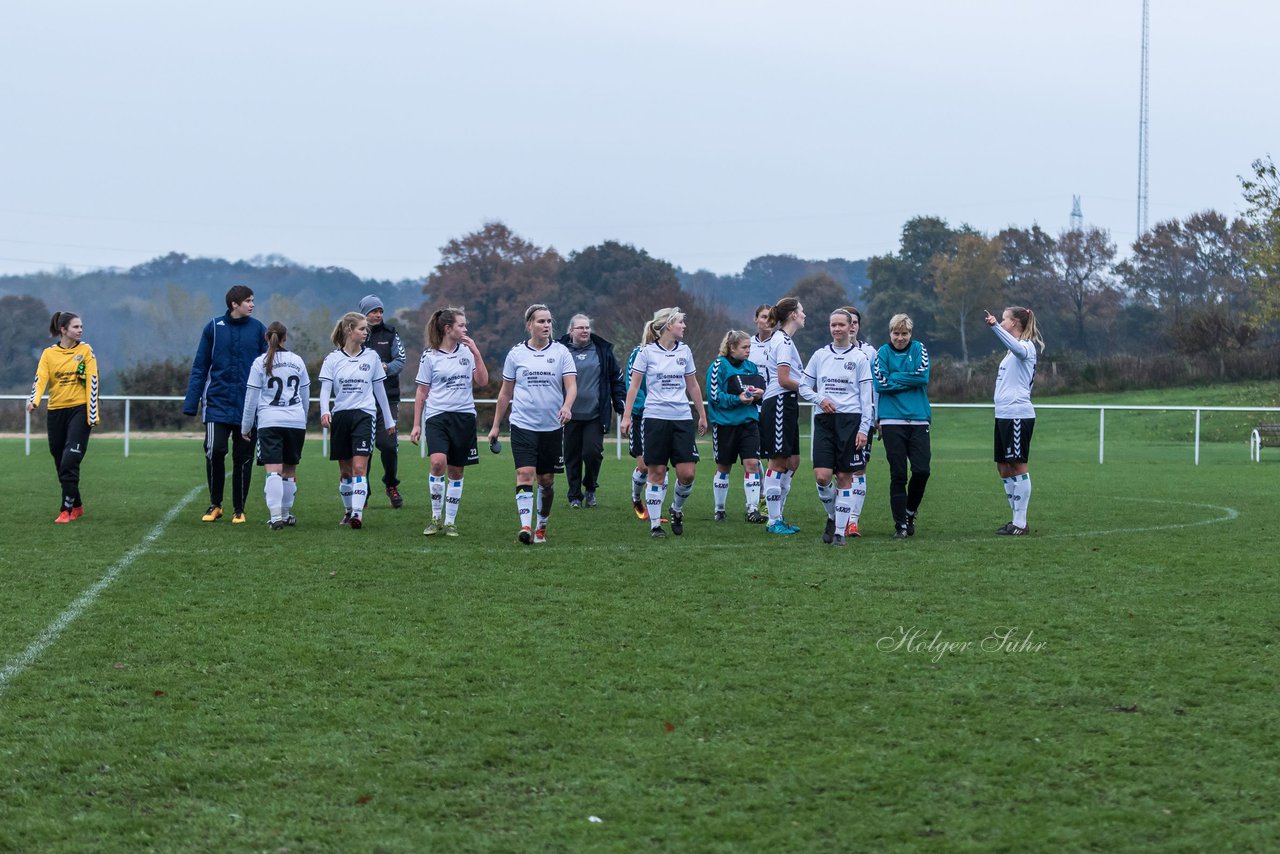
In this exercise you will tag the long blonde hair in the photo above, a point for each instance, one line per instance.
(1027, 318)
(732, 339)
(345, 325)
(662, 318)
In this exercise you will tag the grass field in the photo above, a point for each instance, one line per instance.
(1107, 683)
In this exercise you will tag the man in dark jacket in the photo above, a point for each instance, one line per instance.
(219, 373)
(384, 341)
(601, 392)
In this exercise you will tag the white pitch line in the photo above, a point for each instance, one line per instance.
(1228, 514)
(19, 663)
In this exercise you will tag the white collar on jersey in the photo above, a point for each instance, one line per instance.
(535, 349)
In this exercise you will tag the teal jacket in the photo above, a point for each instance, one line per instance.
(902, 379)
(638, 406)
(724, 406)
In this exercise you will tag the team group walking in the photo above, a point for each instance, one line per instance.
(253, 394)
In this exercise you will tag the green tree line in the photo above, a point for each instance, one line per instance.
(1199, 285)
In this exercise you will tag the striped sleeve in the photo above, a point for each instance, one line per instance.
(40, 381)
(91, 387)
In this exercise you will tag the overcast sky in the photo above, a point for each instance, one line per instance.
(366, 135)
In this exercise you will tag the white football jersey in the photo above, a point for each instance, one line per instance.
(666, 394)
(538, 376)
(760, 357)
(844, 376)
(353, 378)
(870, 353)
(279, 400)
(778, 351)
(1016, 377)
(449, 376)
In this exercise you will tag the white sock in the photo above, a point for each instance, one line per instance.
(859, 495)
(827, 495)
(683, 491)
(359, 493)
(843, 509)
(290, 491)
(654, 496)
(1021, 497)
(453, 495)
(638, 480)
(274, 491)
(436, 485)
(786, 490)
(524, 506)
(344, 489)
(773, 495)
(751, 486)
(720, 490)
(1010, 490)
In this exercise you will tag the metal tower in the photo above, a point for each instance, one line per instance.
(1077, 218)
(1142, 122)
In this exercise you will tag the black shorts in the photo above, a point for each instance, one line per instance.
(454, 435)
(1013, 439)
(674, 441)
(280, 446)
(541, 450)
(350, 434)
(835, 441)
(780, 426)
(733, 442)
(862, 458)
(635, 439)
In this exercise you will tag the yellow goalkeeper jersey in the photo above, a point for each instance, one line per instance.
(71, 376)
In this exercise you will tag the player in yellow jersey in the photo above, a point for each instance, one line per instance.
(70, 373)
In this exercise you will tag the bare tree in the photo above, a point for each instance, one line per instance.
(1082, 260)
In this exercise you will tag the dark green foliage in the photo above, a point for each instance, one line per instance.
(24, 332)
(767, 279)
(157, 378)
(903, 283)
(494, 274)
(155, 311)
(1191, 265)
(1262, 193)
(820, 294)
(618, 286)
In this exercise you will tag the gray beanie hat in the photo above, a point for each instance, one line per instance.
(370, 303)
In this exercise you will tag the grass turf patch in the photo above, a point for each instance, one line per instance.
(320, 688)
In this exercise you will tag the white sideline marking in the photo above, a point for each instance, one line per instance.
(19, 663)
(1228, 514)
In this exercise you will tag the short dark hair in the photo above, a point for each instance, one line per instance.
(238, 293)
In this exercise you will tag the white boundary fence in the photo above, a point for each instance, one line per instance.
(1254, 441)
